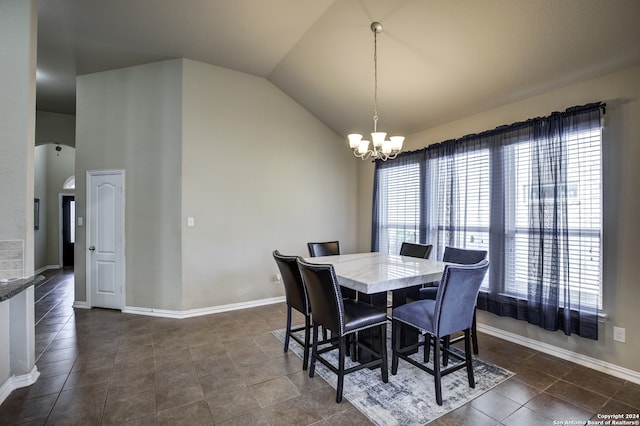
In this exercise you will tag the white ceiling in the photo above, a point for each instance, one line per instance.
(437, 60)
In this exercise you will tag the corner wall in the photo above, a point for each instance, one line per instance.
(254, 168)
(131, 119)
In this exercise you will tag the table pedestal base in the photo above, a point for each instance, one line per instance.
(409, 335)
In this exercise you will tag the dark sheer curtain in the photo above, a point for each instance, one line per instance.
(528, 193)
(457, 208)
(398, 204)
(553, 297)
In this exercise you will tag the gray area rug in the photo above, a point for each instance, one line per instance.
(409, 397)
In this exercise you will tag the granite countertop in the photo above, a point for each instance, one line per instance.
(15, 286)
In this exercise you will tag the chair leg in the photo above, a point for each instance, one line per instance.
(314, 351)
(307, 332)
(352, 346)
(395, 346)
(383, 350)
(427, 347)
(287, 330)
(437, 377)
(341, 355)
(467, 356)
(445, 354)
(474, 333)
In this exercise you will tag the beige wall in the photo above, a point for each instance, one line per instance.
(255, 170)
(259, 173)
(40, 237)
(130, 119)
(621, 153)
(51, 169)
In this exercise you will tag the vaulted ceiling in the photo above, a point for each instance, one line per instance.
(437, 60)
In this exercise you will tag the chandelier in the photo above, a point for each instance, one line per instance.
(383, 149)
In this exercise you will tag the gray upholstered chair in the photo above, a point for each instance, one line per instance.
(461, 257)
(296, 298)
(343, 317)
(450, 312)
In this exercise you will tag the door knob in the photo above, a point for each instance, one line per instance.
(92, 248)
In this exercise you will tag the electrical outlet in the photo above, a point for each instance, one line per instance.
(277, 278)
(619, 334)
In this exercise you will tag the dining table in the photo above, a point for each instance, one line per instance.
(374, 274)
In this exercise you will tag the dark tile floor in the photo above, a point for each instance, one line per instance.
(104, 367)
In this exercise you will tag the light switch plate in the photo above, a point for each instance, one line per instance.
(619, 334)
(191, 221)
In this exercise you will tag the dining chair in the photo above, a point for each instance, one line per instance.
(462, 257)
(330, 248)
(326, 248)
(414, 250)
(450, 312)
(296, 298)
(344, 318)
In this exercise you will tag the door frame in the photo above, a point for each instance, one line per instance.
(87, 225)
(60, 218)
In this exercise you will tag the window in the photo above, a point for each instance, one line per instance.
(458, 202)
(399, 207)
(70, 183)
(530, 194)
(582, 197)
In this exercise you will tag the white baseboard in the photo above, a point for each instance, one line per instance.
(200, 311)
(81, 304)
(587, 361)
(15, 382)
(46, 268)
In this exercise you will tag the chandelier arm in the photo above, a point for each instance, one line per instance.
(363, 156)
(376, 154)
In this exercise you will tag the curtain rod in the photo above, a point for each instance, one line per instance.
(601, 105)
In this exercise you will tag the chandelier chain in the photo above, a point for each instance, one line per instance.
(375, 81)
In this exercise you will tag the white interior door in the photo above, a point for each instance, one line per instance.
(105, 238)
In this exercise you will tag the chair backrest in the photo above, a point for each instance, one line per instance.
(324, 294)
(457, 296)
(294, 291)
(463, 256)
(327, 248)
(415, 250)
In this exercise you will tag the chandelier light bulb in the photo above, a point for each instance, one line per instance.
(378, 138)
(396, 142)
(354, 140)
(363, 147)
